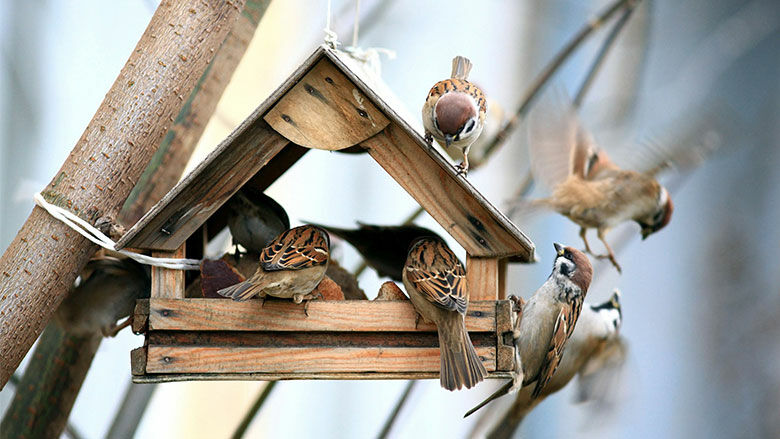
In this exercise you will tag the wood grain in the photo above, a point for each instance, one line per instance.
(167, 283)
(505, 348)
(176, 377)
(39, 267)
(282, 315)
(456, 205)
(191, 202)
(186, 359)
(325, 111)
(482, 278)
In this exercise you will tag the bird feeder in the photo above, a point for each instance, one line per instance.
(331, 103)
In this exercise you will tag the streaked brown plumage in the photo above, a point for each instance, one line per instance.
(290, 267)
(436, 283)
(587, 187)
(454, 111)
(548, 320)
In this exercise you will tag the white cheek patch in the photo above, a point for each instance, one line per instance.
(663, 197)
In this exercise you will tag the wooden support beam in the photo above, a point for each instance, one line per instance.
(326, 111)
(283, 315)
(168, 283)
(482, 278)
(39, 267)
(503, 265)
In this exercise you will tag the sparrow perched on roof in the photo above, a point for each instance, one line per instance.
(587, 187)
(384, 248)
(548, 320)
(106, 293)
(597, 329)
(454, 111)
(436, 283)
(255, 219)
(291, 266)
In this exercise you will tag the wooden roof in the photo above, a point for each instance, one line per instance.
(330, 102)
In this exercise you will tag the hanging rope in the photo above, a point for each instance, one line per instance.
(370, 56)
(96, 236)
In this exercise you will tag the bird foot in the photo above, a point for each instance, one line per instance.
(611, 259)
(112, 331)
(461, 168)
(308, 298)
(429, 138)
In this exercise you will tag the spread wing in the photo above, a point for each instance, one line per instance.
(564, 326)
(438, 274)
(296, 249)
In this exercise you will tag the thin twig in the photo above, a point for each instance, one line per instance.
(250, 415)
(397, 409)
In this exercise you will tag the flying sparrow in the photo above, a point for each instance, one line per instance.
(255, 219)
(435, 280)
(106, 293)
(454, 111)
(548, 320)
(587, 187)
(291, 266)
(384, 248)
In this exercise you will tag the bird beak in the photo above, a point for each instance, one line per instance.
(558, 248)
(448, 140)
(646, 233)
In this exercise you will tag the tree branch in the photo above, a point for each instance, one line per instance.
(42, 262)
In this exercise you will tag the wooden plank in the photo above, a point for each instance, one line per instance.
(505, 348)
(482, 278)
(149, 378)
(144, 234)
(138, 361)
(282, 315)
(450, 199)
(214, 359)
(140, 316)
(168, 283)
(325, 111)
(502, 268)
(188, 205)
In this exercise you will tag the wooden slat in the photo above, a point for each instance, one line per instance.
(505, 349)
(325, 111)
(178, 359)
(482, 278)
(175, 377)
(140, 316)
(502, 268)
(168, 283)
(205, 189)
(138, 361)
(282, 315)
(449, 199)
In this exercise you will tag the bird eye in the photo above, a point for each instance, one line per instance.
(469, 126)
(658, 216)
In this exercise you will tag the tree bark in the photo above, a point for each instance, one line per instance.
(40, 265)
(45, 396)
(168, 163)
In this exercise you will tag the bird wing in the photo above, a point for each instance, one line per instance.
(296, 249)
(437, 273)
(561, 332)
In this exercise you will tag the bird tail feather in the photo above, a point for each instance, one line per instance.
(461, 66)
(241, 291)
(460, 364)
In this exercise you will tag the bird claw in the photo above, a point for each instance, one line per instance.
(461, 168)
(611, 259)
(429, 139)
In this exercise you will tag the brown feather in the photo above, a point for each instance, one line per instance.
(296, 249)
(438, 273)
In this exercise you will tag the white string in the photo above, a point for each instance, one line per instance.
(331, 38)
(356, 26)
(90, 232)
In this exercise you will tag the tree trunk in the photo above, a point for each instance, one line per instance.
(45, 396)
(39, 267)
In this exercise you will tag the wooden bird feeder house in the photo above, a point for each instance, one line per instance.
(330, 102)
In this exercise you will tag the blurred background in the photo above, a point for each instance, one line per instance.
(700, 298)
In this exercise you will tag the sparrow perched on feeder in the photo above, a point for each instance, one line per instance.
(291, 266)
(548, 320)
(454, 111)
(436, 283)
(588, 188)
(106, 293)
(255, 219)
(588, 350)
(384, 248)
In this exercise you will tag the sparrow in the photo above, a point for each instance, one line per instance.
(597, 330)
(587, 187)
(255, 219)
(435, 280)
(106, 292)
(548, 320)
(478, 151)
(454, 112)
(290, 266)
(384, 248)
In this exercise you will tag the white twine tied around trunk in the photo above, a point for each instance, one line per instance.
(369, 56)
(93, 234)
